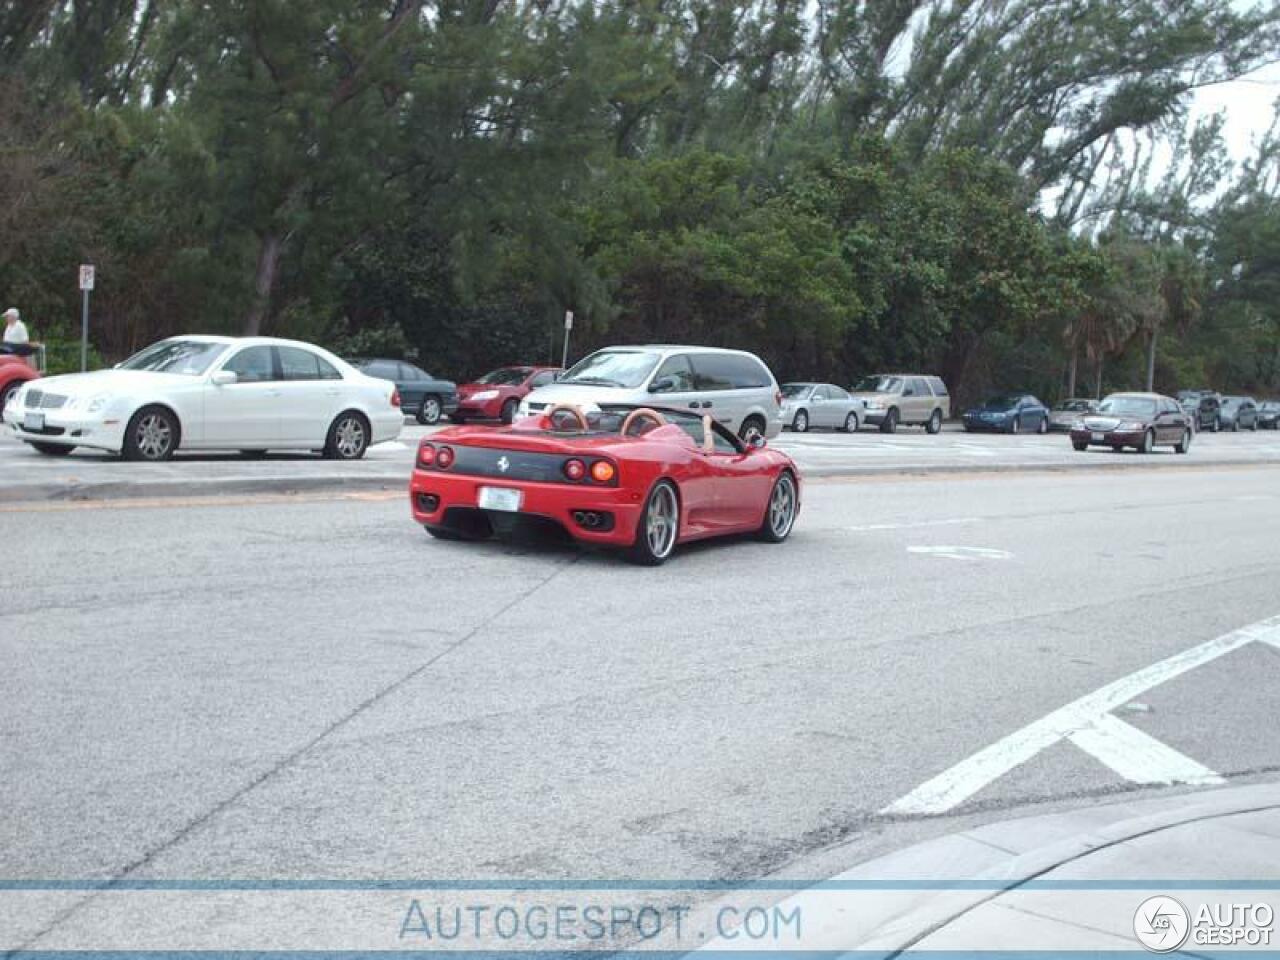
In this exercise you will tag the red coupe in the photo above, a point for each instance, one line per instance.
(15, 370)
(620, 475)
(497, 394)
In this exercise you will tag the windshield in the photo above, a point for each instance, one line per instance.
(1072, 405)
(1002, 402)
(795, 389)
(878, 384)
(1128, 406)
(613, 368)
(188, 357)
(505, 376)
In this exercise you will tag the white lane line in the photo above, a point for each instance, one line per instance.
(909, 525)
(1137, 756)
(962, 553)
(956, 785)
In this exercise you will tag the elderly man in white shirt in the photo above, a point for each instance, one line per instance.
(15, 331)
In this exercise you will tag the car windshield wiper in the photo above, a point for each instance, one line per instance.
(603, 381)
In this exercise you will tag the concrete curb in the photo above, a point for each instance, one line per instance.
(931, 911)
(386, 476)
(200, 487)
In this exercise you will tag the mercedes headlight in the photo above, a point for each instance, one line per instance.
(97, 402)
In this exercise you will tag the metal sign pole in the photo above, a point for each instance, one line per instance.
(86, 284)
(568, 326)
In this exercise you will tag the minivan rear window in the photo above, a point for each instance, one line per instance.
(728, 371)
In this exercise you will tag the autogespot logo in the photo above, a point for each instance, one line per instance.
(1161, 924)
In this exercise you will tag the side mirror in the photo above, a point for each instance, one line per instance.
(223, 377)
(663, 385)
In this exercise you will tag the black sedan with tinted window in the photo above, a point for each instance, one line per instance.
(1143, 421)
(421, 395)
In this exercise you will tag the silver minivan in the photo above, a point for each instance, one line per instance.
(733, 386)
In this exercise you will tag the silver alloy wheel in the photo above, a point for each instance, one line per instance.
(153, 436)
(662, 521)
(851, 423)
(349, 437)
(430, 410)
(801, 424)
(782, 506)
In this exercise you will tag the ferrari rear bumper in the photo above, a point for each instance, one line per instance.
(592, 514)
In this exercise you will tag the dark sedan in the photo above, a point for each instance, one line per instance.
(1269, 415)
(1009, 413)
(1139, 420)
(421, 394)
(1238, 413)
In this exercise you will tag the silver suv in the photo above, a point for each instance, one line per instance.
(733, 386)
(896, 398)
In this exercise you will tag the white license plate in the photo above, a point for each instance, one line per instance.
(33, 421)
(1097, 438)
(499, 498)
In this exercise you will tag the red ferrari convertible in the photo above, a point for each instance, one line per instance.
(623, 476)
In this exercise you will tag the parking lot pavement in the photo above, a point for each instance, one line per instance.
(315, 689)
(27, 475)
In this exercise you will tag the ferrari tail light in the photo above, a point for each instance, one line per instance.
(602, 471)
(426, 454)
(444, 458)
(395, 399)
(575, 470)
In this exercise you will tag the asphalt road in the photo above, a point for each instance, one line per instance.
(27, 475)
(309, 687)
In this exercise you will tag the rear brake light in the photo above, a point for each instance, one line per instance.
(444, 458)
(395, 399)
(426, 454)
(575, 469)
(777, 397)
(602, 471)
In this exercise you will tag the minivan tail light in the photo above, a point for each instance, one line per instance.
(777, 397)
(395, 399)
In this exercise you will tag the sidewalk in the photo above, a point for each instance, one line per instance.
(1071, 880)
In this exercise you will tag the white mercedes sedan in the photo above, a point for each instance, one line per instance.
(250, 394)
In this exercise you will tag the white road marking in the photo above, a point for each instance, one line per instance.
(962, 553)
(909, 525)
(1137, 756)
(956, 785)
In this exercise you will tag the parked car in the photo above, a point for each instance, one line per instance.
(1238, 413)
(643, 479)
(1009, 413)
(1140, 420)
(16, 368)
(904, 398)
(1067, 412)
(733, 386)
(421, 395)
(1202, 407)
(210, 393)
(1269, 415)
(497, 395)
(806, 405)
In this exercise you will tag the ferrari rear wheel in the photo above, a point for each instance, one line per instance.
(780, 516)
(658, 527)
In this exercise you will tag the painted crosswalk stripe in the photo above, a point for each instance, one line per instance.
(957, 784)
